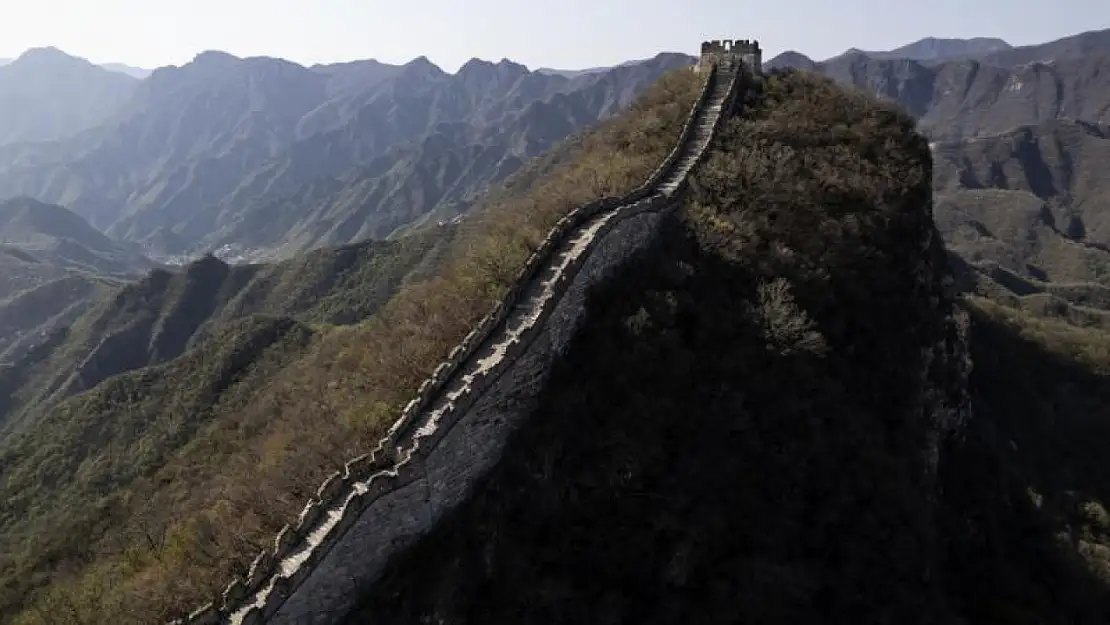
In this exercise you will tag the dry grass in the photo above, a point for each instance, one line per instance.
(174, 537)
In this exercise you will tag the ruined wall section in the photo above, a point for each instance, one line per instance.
(456, 427)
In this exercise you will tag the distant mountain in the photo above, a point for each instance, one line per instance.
(1076, 47)
(1020, 145)
(52, 266)
(239, 154)
(929, 49)
(991, 93)
(61, 238)
(47, 95)
(574, 73)
(790, 60)
(937, 49)
(1032, 200)
(134, 72)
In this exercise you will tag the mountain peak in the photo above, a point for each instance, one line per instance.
(423, 67)
(791, 59)
(47, 55)
(213, 57)
(481, 67)
(473, 65)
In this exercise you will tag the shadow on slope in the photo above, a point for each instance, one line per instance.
(743, 429)
(1026, 488)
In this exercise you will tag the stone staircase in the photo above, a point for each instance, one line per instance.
(309, 569)
(703, 133)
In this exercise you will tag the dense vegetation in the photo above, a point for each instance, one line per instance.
(738, 433)
(1026, 488)
(175, 476)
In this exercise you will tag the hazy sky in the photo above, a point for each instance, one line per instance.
(564, 34)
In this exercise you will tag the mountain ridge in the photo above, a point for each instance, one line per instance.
(199, 174)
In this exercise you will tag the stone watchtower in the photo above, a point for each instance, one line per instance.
(731, 52)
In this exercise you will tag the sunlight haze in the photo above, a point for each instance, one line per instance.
(567, 34)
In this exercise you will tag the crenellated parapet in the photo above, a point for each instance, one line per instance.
(456, 427)
(731, 52)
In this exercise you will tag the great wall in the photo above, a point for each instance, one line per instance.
(455, 429)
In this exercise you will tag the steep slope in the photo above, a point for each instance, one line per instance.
(214, 486)
(1032, 200)
(766, 420)
(53, 266)
(746, 429)
(160, 317)
(47, 95)
(1083, 45)
(201, 152)
(130, 70)
(30, 315)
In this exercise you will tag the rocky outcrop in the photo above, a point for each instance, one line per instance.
(455, 429)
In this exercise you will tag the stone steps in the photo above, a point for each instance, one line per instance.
(528, 313)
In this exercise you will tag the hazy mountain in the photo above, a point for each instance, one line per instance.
(1033, 200)
(52, 265)
(203, 153)
(574, 73)
(924, 50)
(790, 60)
(938, 49)
(1081, 46)
(46, 94)
(61, 238)
(134, 72)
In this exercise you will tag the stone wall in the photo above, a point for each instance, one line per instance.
(720, 51)
(456, 427)
(462, 451)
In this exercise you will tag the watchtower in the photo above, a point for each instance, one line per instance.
(731, 51)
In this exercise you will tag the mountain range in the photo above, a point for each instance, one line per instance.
(122, 68)
(260, 157)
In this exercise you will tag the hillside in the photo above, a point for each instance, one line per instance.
(1032, 200)
(47, 95)
(259, 157)
(53, 266)
(765, 420)
(165, 314)
(1018, 138)
(224, 441)
(58, 236)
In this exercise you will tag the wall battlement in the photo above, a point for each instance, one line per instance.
(456, 428)
(731, 51)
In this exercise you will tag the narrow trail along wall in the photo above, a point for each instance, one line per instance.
(456, 428)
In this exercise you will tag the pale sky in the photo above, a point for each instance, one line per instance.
(564, 34)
